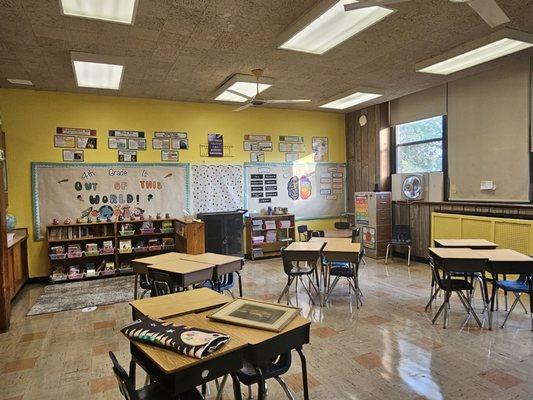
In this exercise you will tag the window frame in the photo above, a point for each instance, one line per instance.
(444, 139)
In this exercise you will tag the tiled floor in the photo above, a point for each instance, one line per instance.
(386, 350)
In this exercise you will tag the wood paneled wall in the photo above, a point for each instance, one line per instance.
(418, 216)
(367, 151)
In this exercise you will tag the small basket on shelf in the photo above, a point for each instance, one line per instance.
(156, 247)
(168, 247)
(147, 231)
(109, 250)
(75, 276)
(127, 232)
(92, 253)
(108, 272)
(125, 250)
(75, 254)
(60, 256)
(58, 277)
(140, 249)
(167, 231)
(127, 270)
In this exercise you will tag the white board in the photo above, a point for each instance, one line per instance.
(72, 190)
(309, 191)
(217, 187)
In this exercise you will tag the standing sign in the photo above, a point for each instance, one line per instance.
(215, 145)
(361, 209)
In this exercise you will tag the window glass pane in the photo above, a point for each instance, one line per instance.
(425, 129)
(423, 157)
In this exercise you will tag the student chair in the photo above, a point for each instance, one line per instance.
(223, 284)
(318, 234)
(355, 235)
(303, 233)
(162, 283)
(401, 236)
(145, 284)
(251, 375)
(153, 391)
(296, 273)
(446, 276)
(348, 270)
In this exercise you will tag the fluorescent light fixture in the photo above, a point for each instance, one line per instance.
(351, 100)
(245, 84)
(499, 44)
(20, 82)
(332, 27)
(97, 72)
(121, 11)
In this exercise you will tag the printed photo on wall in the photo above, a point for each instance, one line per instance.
(127, 156)
(160, 144)
(180, 144)
(215, 145)
(290, 157)
(137, 144)
(68, 142)
(169, 155)
(117, 143)
(320, 148)
(73, 155)
(86, 142)
(257, 157)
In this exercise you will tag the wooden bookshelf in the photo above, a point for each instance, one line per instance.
(273, 231)
(123, 241)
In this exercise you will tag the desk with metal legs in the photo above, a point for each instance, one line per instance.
(140, 266)
(336, 251)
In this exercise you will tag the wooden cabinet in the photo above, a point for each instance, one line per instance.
(190, 236)
(267, 234)
(373, 214)
(17, 261)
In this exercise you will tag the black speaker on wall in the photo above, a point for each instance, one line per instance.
(224, 232)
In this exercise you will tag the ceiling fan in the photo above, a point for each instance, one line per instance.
(258, 100)
(489, 10)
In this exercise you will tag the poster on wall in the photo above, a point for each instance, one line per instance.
(361, 210)
(160, 144)
(180, 144)
(126, 134)
(291, 157)
(169, 155)
(257, 157)
(215, 145)
(61, 191)
(86, 142)
(61, 141)
(217, 187)
(295, 186)
(369, 237)
(320, 149)
(75, 131)
(117, 143)
(73, 155)
(136, 144)
(127, 156)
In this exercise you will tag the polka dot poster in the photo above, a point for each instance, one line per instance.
(217, 188)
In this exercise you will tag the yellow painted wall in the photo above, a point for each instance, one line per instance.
(30, 118)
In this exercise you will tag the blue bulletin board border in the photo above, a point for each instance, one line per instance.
(248, 165)
(35, 188)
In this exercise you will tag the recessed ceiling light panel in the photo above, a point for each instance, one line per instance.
(497, 45)
(20, 82)
(333, 27)
(97, 72)
(351, 100)
(121, 11)
(245, 84)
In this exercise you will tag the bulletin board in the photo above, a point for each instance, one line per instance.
(309, 191)
(76, 190)
(217, 187)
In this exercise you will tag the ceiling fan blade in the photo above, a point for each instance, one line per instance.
(239, 94)
(371, 3)
(243, 107)
(490, 11)
(286, 101)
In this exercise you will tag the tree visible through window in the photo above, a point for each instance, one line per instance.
(419, 146)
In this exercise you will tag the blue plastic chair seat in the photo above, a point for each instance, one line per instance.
(514, 286)
(341, 271)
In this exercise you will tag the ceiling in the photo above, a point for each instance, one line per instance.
(184, 49)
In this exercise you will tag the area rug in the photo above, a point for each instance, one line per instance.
(77, 295)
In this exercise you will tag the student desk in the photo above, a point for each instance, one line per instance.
(465, 243)
(140, 266)
(179, 373)
(223, 264)
(304, 251)
(184, 272)
(330, 240)
(338, 233)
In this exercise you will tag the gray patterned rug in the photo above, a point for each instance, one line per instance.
(77, 295)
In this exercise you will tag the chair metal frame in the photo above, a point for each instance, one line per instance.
(353, 279)
(294, 275)
(397, 231)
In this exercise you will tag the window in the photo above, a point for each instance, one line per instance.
(419, 145)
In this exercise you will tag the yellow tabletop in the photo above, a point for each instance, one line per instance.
(458, 253)
(181, 267)
(470, 243)
(305, 246)
(502, 255)
(338, 233)
(210, 258)
(330, 240)
(158, 258)
(339, 247)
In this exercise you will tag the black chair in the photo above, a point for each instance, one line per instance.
(348, 270)
(296, 273)
(447, 276)
(355, 235)
(250, 375)
(318, 233)
(401, 236)
(342, 225)
(524, 284)
(302, 230)
(153, 391)
(162, 283)
(145, 284)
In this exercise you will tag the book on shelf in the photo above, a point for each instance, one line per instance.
(270, 224)
(107, 244)
(168, 241)
(91, 247)
(283, 224)
(257, 252)
(166, 225)
(271, 237)
(257, 222)
(153, 242)
(73, 248)
(57, 250)
(125, 244)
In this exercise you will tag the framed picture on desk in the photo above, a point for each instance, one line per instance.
(256, 314)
